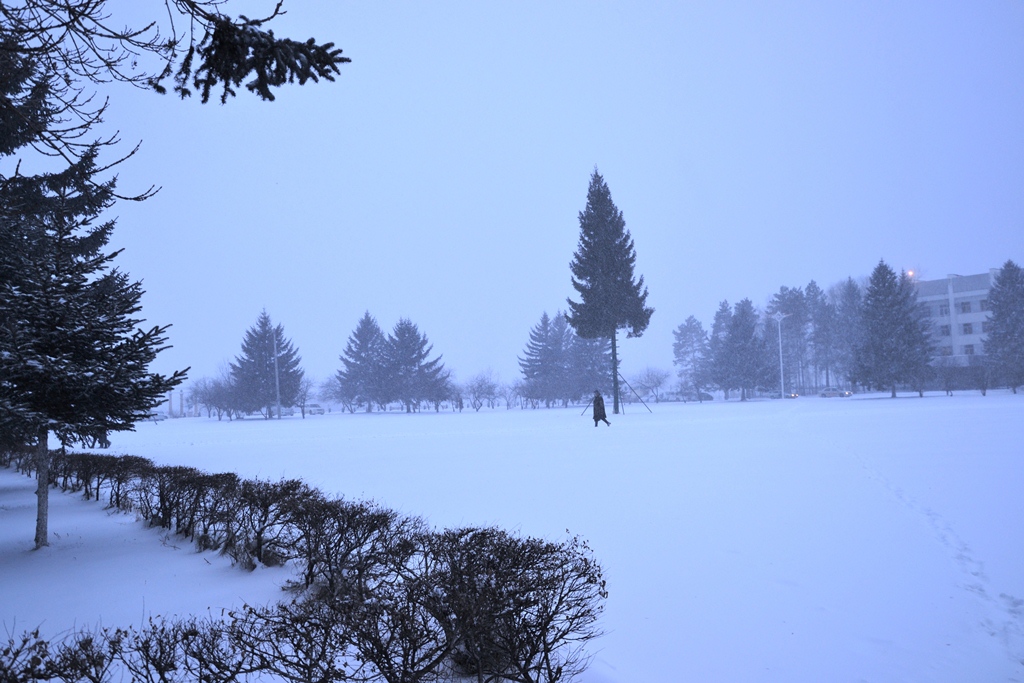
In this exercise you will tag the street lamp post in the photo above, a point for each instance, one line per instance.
(779, 316)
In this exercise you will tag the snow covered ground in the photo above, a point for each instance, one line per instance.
(863, 539)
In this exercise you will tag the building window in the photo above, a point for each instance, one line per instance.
(944, 330)
(965, 306)
(943, 309)
(983, 305)
(968, 328)
(946, 351)
(969, 350)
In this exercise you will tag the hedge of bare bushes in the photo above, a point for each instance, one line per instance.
(377, 596)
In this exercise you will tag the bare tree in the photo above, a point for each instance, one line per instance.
(510, 392)
(201, 394)
(305, 394)
(650, 382)
(481, 389)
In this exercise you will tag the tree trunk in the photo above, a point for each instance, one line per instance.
(42, 489)
(893, 391)
(615, 376)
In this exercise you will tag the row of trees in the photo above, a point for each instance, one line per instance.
(566, 357)
(742, 350)
(379, 595)
(874, 336)
(378, 370)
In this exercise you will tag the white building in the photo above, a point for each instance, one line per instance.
(958, 308)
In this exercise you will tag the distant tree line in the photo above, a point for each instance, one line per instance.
(379, 596)
(821, 338)
(378, 369)
(871, 335)
(875, 336)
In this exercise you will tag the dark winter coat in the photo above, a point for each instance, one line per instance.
(599, 413)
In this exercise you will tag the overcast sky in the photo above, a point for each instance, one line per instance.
(748, 145)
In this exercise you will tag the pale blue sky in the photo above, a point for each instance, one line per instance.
(749, 146)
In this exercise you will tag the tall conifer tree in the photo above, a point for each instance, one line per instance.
(895, 347)
(848, 300)
(547, 363)
(535, 364)
(792, 303)
(411, 377)
(823, 331)
(746, 351)
(1004, 343)
(611, 298)
(260, 377)
(691, 355)
(718, 362)
(73, 355)
(361, 380)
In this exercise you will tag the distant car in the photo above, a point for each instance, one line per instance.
(832, 392)
(314, 409)
(702, 396)
(791, 395)
(156, 417)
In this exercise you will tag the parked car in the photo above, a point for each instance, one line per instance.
(314, 409)
(156, 417)
(832, 392)
(702, 396)
(791, 395)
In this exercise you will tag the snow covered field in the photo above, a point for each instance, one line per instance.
(862, 539)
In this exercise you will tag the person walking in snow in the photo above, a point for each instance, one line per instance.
(599, 414)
